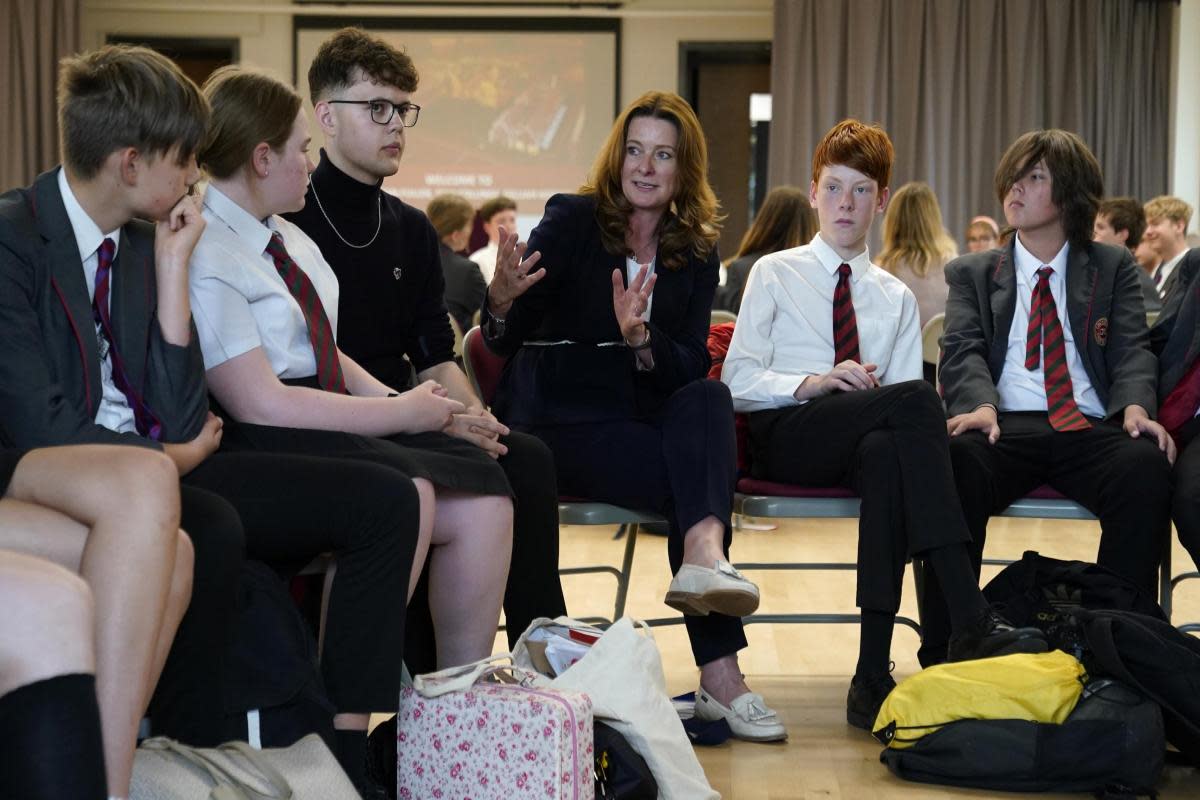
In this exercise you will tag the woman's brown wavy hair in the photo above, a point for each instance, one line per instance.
(692, 225)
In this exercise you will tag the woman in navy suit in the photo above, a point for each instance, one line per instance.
(606, 320)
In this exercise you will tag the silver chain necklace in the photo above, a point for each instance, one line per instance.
(378, 225)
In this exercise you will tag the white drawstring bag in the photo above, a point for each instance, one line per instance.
(164, 769)
(623, 674)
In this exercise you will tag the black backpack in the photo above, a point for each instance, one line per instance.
(1038, 591)
(621, 772)
(1112, 743)
(272, 677)
(1155, 658)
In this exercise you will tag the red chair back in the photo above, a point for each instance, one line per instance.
(482, 365)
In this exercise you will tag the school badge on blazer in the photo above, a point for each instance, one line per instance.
(1100, 331)
(397, 272)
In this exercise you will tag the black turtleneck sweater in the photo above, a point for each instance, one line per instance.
(390, 304)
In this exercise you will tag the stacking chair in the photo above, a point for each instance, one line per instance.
(931, 335)
(767, 499)
(483, 368)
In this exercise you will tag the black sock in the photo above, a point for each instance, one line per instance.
(952, 566)
(875, 643)
(50, 741)
(352, 755)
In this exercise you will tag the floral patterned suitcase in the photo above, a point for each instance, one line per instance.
(474, 740)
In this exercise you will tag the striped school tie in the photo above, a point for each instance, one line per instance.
(143, 418)
(845, 326)
(320, 333)
(1045, 339)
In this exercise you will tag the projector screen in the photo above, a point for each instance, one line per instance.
(520, 112)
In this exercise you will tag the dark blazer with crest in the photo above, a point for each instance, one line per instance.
(50, 384)
(594, 379)
(1104, 308)
(1175, 337)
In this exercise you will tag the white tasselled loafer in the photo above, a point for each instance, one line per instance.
(699, 591)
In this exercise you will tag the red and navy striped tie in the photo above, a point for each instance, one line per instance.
(1045, 339)
(320, 333)
(144, 420)
(845, 326)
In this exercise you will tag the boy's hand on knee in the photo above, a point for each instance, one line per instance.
(1138, 424)
(982, 419)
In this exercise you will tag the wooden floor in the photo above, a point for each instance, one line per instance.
(804, 670)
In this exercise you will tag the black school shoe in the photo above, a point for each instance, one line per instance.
(865, 697)
(992, 635)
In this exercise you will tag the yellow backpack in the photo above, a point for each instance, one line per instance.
(1041, 687)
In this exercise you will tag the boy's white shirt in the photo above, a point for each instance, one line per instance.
(784, 330)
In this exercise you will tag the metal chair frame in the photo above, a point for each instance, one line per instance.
(775, 506)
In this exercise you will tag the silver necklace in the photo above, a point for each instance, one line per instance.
(378, 225)
(651, 245)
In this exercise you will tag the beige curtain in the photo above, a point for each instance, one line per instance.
(34, 34)
(955, 81)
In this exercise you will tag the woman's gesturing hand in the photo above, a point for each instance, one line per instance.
(512, 277)
(630, 304)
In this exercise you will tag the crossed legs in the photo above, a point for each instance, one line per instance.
(112, 515)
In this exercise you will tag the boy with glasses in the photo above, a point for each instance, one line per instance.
(392, 315)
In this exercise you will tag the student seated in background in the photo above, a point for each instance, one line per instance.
(1047, 370)
(391, 320)
(499, 212)
(826, 359)
(99, 347)
(916, 246)
(451, 216)
(785, 220)
(1120, 222)
(1175, 338)
(110, 514)
(1167, 221)
(982, 234)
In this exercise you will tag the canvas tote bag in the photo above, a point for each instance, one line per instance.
(164, 769)
(623, 674)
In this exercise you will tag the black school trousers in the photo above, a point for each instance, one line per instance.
(889, 446)
(681, 464)
(296, 507)
(188, 703)
(1125, 482)
(1185, 489)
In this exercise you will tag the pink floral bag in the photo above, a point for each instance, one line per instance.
(460, 737)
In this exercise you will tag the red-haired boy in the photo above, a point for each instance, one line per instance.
(826, 359)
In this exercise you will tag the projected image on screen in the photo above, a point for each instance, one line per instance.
(519, 113)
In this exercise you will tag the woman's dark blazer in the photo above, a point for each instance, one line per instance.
(582, 381)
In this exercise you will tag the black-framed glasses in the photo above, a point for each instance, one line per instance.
(382, 111)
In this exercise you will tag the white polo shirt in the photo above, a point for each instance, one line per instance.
(240, 302)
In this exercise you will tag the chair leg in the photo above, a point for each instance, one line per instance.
(330, 574)
(631, 534)
(1165, 587)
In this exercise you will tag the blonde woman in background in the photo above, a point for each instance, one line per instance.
(916, 246)
(785, 220)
